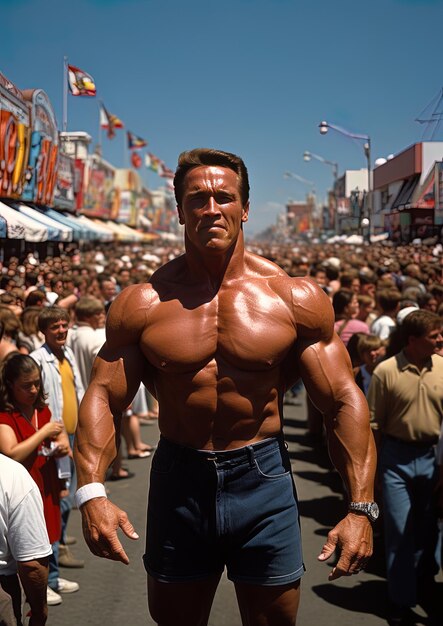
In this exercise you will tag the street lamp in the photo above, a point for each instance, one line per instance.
(307, 156)
(324, 127)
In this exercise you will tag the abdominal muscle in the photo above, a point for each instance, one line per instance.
(204, 410)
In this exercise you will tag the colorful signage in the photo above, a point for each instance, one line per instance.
(65, 183)
(128, 187)
(43, 153)
(99, 195)
(15, 122)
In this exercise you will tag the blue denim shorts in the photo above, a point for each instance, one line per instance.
(235, 508)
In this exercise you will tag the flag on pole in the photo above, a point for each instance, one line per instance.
(136, 160)
(157, 165)
(152, 162)
(166, 172)
(135, 142)
(109, 121)
(80, 83)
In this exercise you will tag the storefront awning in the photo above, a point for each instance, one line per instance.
(79, 232)
(101, 232)
(20, 226)
(405, 194)
(56, 230)
(3, 228)
(124, 233)
(89, 233)
(115, 229)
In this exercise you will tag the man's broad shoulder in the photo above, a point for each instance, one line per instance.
(128, 312)
(312, 307)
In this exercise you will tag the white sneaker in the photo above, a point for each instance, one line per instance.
(67, 586)
(52, 597)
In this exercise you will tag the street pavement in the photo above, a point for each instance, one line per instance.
(112, 594)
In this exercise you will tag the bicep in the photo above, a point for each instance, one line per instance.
(326, 371)
(116, 376)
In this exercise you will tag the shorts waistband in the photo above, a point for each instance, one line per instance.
(234, 456)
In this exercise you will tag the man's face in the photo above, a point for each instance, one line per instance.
(56, 334)
(428, 344)
(108, 290)
(58, 287)
(97, 320)
(355, 285)
(211, 207)
(368, 289)
(321, 278)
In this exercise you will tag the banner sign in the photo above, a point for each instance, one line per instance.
(99, 196)
(65, 182)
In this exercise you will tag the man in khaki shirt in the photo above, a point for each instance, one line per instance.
(405, 402)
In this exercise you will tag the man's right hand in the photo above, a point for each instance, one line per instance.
(101, 520)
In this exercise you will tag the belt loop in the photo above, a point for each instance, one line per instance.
(251, 455)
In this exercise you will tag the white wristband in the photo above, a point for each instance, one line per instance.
(88, 492)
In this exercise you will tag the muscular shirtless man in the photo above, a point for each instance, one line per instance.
(217, 335)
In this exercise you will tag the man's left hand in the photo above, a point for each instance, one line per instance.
(353, 536)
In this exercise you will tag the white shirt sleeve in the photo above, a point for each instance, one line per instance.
(27, 535)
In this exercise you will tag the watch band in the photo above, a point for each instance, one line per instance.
(88, 492)
(370, 509)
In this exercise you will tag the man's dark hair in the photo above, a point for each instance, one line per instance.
(419, 323)
(388, 299)
(104, 278)
(50, 315)
(423, 299)
(35, 297)
(367, 278)
(206, 156)
(437, 290)
(87, 306)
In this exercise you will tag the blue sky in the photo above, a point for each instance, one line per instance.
(254, 77)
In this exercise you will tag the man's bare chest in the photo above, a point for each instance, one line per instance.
(249, 330)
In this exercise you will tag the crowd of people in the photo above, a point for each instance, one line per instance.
(388, 305)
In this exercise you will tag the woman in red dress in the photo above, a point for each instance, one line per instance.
(26, 432)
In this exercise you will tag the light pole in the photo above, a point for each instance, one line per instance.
(307, 156)
(324, 127)
(300, 179)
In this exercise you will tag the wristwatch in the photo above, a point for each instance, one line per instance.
(370, 509)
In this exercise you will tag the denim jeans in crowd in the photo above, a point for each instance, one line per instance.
(409, 475)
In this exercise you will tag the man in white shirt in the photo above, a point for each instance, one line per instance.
(88, 336)
(24, 545)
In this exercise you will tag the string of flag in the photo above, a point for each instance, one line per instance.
(81, 83)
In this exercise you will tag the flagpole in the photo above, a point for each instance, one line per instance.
(100, 130)
(126, 162)
(65, 94)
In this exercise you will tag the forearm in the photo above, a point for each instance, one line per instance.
(34, 578)
(68, 302)
(96, 440)
(351, 445)
(22, 451)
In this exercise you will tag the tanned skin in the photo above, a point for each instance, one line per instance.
(217, 335)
